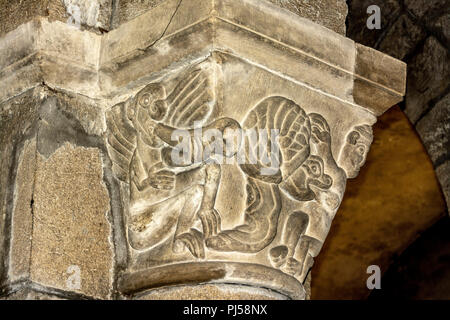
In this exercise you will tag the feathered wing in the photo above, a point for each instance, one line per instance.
(191, 100)
(293, 128)
(121, 140)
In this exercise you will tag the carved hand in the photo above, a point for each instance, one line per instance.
(160, 178)
(211, 222)
(163, 180)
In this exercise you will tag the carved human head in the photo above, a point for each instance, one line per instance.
(354, 153)
(151, 99)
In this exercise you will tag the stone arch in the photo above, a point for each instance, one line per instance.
(417, 32)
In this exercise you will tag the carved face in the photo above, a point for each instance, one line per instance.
(316, 176)
(311, 173)
(151, 99)
(354, 152)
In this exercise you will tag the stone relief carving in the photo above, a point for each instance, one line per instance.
(172, 201)
(166, 198)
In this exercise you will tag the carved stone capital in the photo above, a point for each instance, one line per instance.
(216, 66)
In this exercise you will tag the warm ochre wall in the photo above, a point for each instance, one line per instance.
(394, 199)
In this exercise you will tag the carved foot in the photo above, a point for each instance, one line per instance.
(193, 241)
(211, 222)
(235, 240)
(277, 256)
(220, 242)
(292, 267)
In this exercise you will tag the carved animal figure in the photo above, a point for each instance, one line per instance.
(292, 170)
(306, 230)
(167, 198)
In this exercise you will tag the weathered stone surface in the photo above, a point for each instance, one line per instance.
(92, 14)
(71, 227)
(426, 9)
(216, 227)
(434, 130)
(17, 123)
(46, 218)
(329, 13)
(211, 292)
(442, 28)
(30, 294)
(53, 53)
(132, 284)
(129, 9)
(15, 13)
(306, 38)
(104, 66)
(21, 209)
(22, 217)
(379, 69)
(429, 72)
(402, 38)
(357, 28)
(443, 173)
(98, 14)
(85, 114)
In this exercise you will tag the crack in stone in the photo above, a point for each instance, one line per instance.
(165, 29)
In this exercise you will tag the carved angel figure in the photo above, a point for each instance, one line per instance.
(167, 199)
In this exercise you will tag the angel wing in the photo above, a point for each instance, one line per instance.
(121, 138)
(293, 128)
(192, 100)
(178, 102)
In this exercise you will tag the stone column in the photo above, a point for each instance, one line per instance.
(94, 201)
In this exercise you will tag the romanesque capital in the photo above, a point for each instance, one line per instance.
(211, 142)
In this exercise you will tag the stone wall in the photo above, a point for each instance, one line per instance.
(417, 32)
(57, 215)
(93, 15)
(104, 15)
